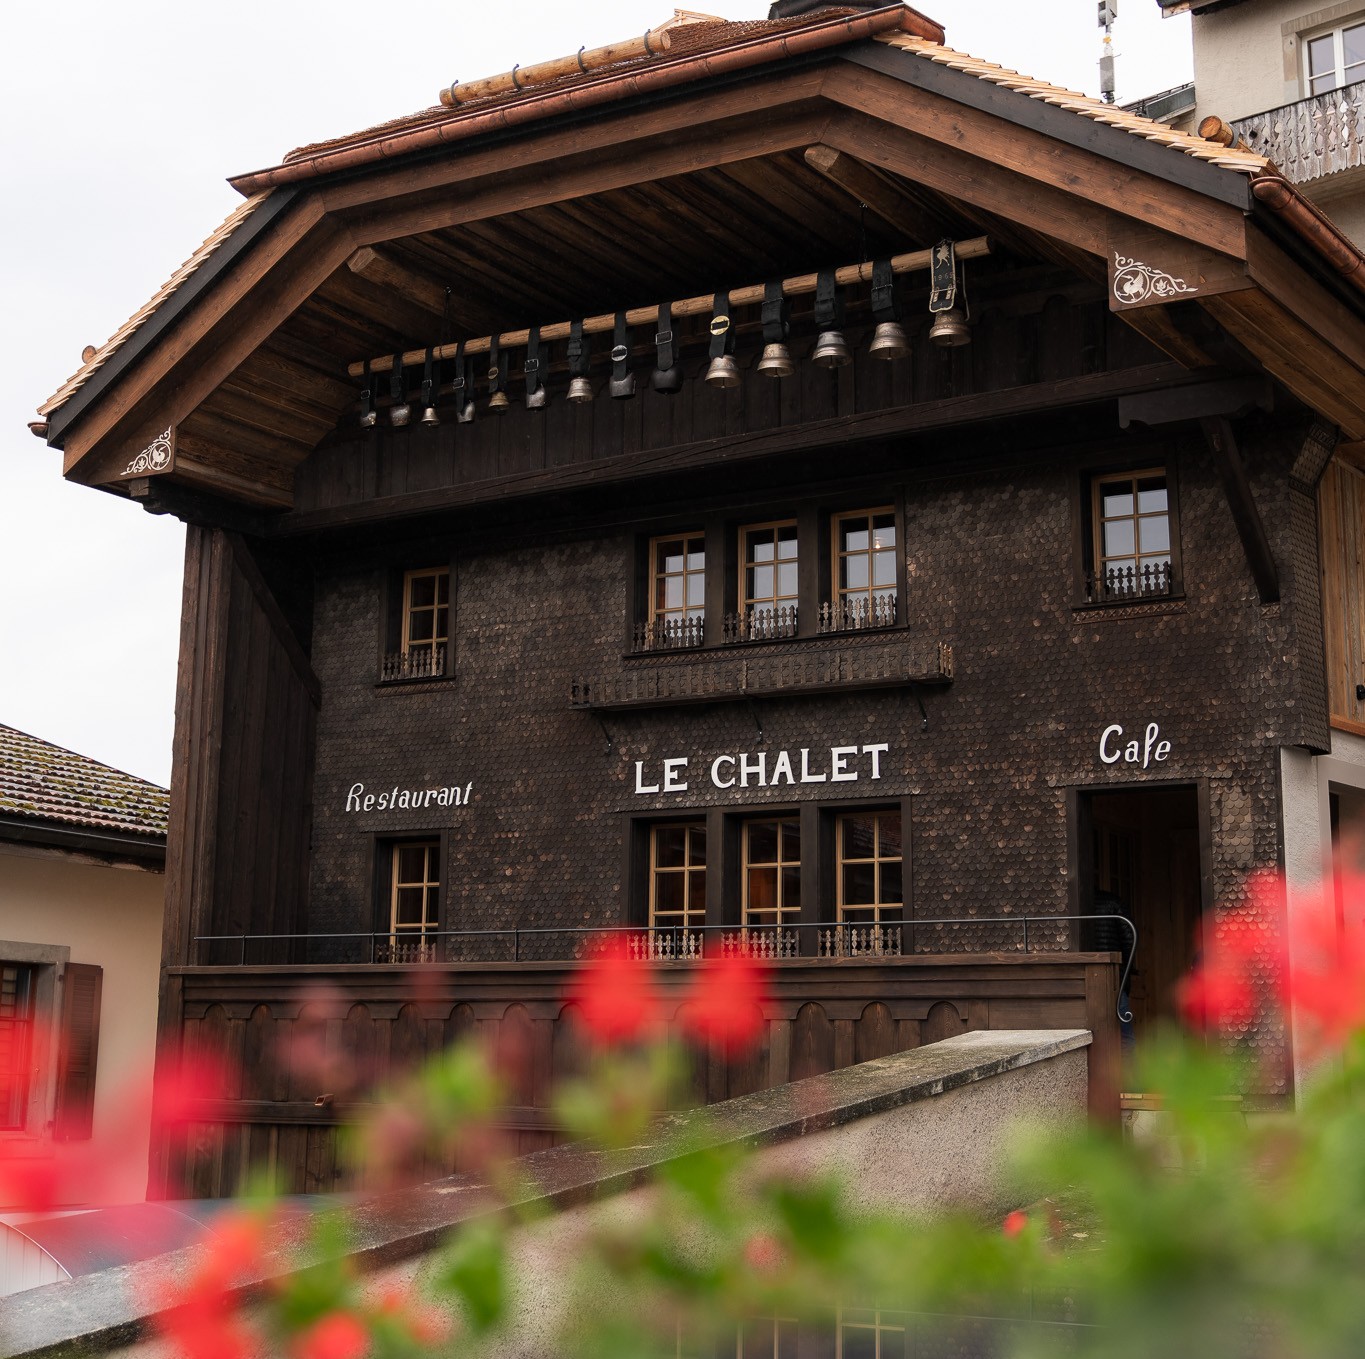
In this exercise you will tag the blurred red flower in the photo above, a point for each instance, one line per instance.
(1014, 1223)
(1325, 982)
(726, 1003)
(341, 1335)
(615, 996)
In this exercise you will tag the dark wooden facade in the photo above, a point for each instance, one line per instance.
(994, 693)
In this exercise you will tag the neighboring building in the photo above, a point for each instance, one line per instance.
(886, 668)
(82, 858)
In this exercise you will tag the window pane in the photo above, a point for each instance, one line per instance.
(860, 1342)
(786, 580)
(855, 535)
(1118, 538)
(853, 573)
(786, 548)
(696, 590)
(884, 531)
(696, 885)
(859, 837)
(673, 592)
(696, 557)
(423, 590)
(884, 569)
(419, 627)
(1353, 51)
(791, 888)
(891, 881)
(671, 556)
(443, 588)
(762, 586)
(761, 546)
(1155, 534)
(668, 891)
(889, 835)
(859, 884)
(696, 838)
(1151, 497)
(791, 842)
(1320, 56)
(442, 623)
(412, 863)
(1117, 503)
(669, 846)
(408, 906)
(762, 842)
(762, 885)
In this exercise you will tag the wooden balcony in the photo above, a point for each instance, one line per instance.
(1314, 137)
(368, 1024)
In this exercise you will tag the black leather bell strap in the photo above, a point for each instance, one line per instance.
(533, 362)
(578, 351)
(829, 303)
(461, 382)
(396, 380)
(494, 367)
(620, 349)
(722, 331)
(943, 277)
(429, 377)
(665, 355)
(774, 314)
(883, 292)
(367, 392)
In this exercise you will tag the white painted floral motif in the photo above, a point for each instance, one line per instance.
(1136, 282)
(156, 457)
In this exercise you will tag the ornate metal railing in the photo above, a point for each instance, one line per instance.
(1321, 135)
(425, 663)
(1153, 581)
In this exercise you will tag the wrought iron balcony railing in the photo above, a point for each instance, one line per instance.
(1313, 137)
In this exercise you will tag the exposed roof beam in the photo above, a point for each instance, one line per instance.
(1250, 527)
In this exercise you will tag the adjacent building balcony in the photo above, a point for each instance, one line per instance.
(1311, 138)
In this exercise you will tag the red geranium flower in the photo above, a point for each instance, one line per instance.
(614, 995)
(727, 1003)
(1014, 1222)
(339, 1336)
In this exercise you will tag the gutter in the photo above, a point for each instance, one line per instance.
(118, 844)
(610, 89)
(1309, 222)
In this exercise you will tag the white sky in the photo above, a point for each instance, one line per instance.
(119, 124)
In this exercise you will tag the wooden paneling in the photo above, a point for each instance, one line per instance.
(1341, 514)
(356, 1028)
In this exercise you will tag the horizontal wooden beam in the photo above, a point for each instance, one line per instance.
(837, 432)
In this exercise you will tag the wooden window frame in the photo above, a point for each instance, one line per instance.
(749, 605)
(23, 1031)
(387, 935)
(406, 644)
(1336, 32)
(839, 860)
(687, 869)
(1088, 527)
(785, 915)
(836, 559)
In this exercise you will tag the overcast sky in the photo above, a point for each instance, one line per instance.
(120, 124)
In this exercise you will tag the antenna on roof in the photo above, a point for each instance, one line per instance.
(1109, 11)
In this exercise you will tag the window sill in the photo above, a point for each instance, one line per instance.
(765, 644)
(871, 658)
(1139, 607)
(417, 684)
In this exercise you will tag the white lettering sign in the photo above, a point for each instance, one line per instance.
(748, 769)
(1151, 749)
(407, 799)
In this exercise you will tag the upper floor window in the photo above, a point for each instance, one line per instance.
(1334, 58)
(425, 626)
(768, 587)
(869, 871)
(16, 1042)
(865, 569)
(1131, 525)
(677, 591)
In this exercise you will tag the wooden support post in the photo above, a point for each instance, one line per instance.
(1106, 1048)
(1250, 528)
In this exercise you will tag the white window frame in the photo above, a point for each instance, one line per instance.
(1335, 32)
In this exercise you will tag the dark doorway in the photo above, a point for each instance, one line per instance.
(1141, 846)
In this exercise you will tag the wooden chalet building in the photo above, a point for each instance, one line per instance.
(888, 667)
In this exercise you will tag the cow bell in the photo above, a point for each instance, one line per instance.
(369, 419)
(580, 391)
(400, 414)
(667, 380)
(537, 400)
(622, 389)
(723, 372)
(950, 329)
(465, 413)
(889, 341)
(429, 416)
(776, 361)
(831, 350)
(498, 402)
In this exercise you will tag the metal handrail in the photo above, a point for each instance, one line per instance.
(677, 933)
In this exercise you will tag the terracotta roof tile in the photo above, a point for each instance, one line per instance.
(134, 323)
(1248, 162)
(43, 783)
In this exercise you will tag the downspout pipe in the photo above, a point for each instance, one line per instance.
(661, 75)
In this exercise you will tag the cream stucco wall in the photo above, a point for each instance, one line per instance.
(1248, 59)
(110, 917)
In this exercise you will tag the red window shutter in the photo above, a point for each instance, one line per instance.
(80, 1041)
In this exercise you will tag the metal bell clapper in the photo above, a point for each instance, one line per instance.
(831, 350)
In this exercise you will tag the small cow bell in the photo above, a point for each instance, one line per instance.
(622, 389)
(776, 361)
(831, 350)
(537, 400)
(580, 391)
(667, 380)
(723, 372)
(429, 416)
(400, 414)
(369, 419)
(950, 329)
(889, 341)
(465, 414)
(498, 402)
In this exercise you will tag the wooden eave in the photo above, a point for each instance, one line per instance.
(246, 364)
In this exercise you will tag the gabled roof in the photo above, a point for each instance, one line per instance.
(43, 784)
